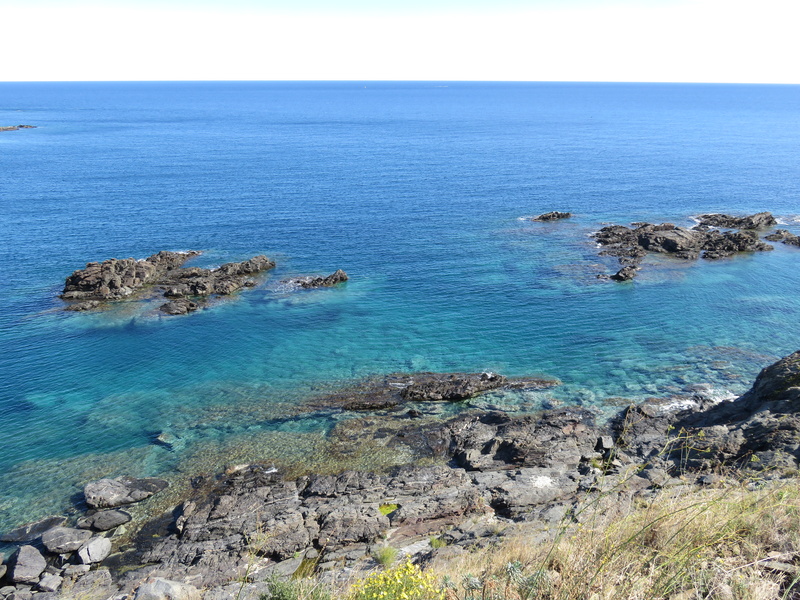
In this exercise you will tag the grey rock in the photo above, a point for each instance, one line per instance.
(20, 595)
(164, 589)
(32, 531)
(94, 550)
(94, 585)
(3, 570)
(75, 571)
(63, 540)
(27, 565)
(104, 520)
(107, 493)
(50, 583)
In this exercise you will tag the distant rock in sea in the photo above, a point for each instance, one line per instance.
(17, 127)
(552, 216)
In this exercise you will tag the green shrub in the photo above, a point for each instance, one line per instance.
(437, 542)
(306, 589)
(385, 555)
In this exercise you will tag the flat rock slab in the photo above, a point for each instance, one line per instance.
(107, 493)
(32, 531)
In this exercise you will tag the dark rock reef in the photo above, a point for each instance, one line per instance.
(552, 216)
(396, 390)
(313, 281)
(631, 244)
(760, 220)
(117, 279)
(781, 235)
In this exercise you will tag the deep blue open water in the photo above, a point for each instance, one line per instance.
(417, 190)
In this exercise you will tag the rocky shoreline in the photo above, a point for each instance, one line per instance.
(494, 473)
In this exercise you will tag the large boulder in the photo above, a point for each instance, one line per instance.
(63, 540)
(104, 520)
(27, 565)
(108, 493)
(94, 550)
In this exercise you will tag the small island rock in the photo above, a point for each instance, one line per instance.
(552, 216)
(310, 281)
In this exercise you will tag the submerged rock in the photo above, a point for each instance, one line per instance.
(552, 216)
(32, 531)
(107, 493)
(452, 388)
(391, 391)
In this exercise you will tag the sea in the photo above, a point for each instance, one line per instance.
(422, 192)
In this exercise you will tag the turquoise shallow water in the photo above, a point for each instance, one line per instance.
(418, 192)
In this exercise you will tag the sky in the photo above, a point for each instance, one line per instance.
(710, 41)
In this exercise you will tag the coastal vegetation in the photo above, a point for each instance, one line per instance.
(737, 540)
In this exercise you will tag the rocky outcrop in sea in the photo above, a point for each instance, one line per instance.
(631, 244)
(187, 288)
(535, 471)
(552, 216)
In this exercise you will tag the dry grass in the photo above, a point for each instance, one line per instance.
(681, 545)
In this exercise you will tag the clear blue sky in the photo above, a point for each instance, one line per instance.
(737, 41)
